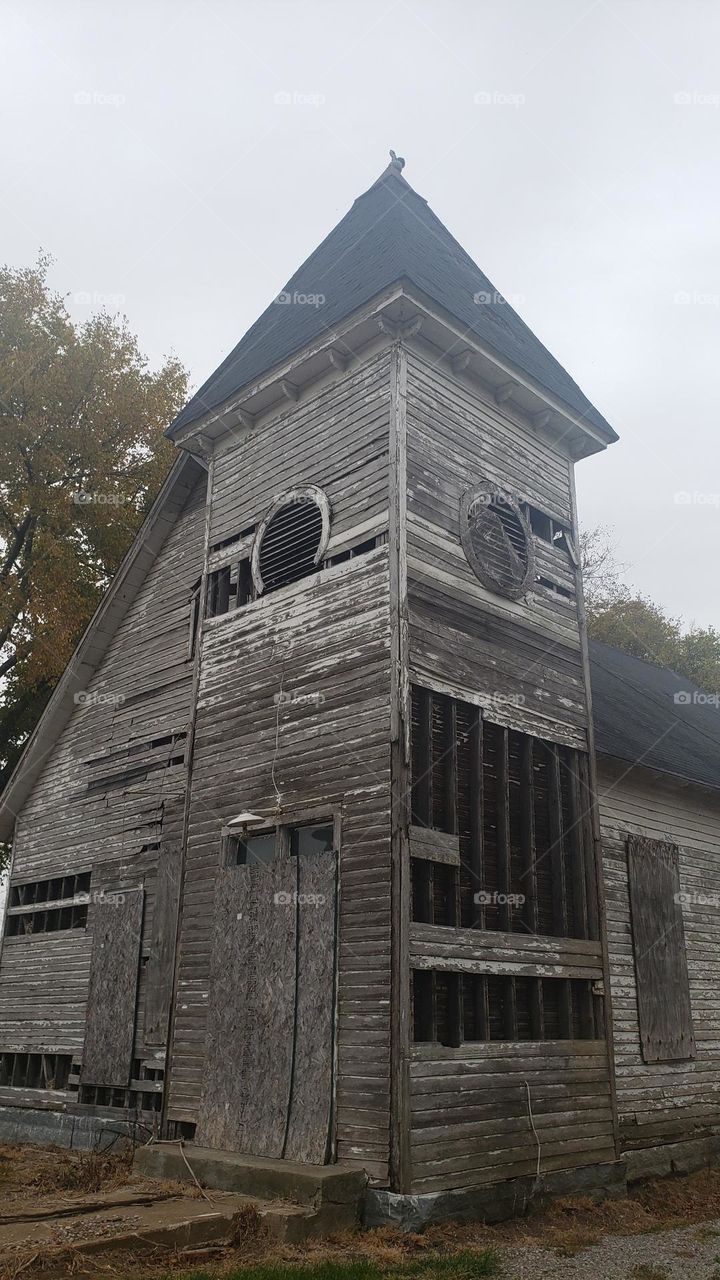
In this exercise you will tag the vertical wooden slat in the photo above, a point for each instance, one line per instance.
(503, 826)
(583, 790)
(527, 835)
(536, 1009)
(433, 1007)
(566, 1023)
(455, 1009)
(510, 1010)
(557, 847)
(482, 1010)
(450, 772)
(477, 865)
(450, 757)
(583, 1013)
(579, 839)
(423, 799)
(423, 783)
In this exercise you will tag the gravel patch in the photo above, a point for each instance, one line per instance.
(692, 1253)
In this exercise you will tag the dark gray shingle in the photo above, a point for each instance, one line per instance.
(637, 717)
(389, 234)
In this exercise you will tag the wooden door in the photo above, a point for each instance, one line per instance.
(269, 1077)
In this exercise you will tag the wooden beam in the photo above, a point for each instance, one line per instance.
(580, 857)
(557, 845)
(527, 834)
(434, 846)
(460, 362)
(505, 391)
(412, 328)
(581, 788)
(503, 825)
(477, 864)
(289, 389)
(338, 359)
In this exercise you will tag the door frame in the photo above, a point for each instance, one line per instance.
(282, 823)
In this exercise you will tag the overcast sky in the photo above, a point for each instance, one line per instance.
(179, 160)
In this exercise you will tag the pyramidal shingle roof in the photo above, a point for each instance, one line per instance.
(389, 234)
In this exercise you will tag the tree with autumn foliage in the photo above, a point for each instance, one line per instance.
(82, 456)
(631, 621)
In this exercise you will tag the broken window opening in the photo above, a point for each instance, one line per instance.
(229, 587)
(35, 1070)
(47, 906)
(452, 1008)
(260, 848)
(519, 806)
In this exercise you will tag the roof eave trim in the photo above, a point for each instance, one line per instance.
(597, 437)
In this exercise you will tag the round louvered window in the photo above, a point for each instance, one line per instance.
(291, 539)
(497, 540)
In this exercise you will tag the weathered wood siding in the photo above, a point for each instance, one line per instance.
(322, 644)
(522, 659)
(663, 1102)
(474, 1109)
(482, 1112)
(109, 796)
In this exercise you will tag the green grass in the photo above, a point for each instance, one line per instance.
(455, 1266)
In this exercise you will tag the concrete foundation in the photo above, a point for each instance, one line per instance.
(61, 1129)
(673, 1158)
(494, 1202)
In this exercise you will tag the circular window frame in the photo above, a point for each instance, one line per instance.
(307, 493)
(492, 492)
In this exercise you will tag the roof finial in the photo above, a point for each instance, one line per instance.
(397, 162)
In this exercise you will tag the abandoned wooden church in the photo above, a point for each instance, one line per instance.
(307, 855)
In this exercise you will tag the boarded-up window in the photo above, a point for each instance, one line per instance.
(112, 991)
(663, 990)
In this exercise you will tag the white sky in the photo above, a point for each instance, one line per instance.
(145, 149)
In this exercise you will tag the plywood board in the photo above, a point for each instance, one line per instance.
(310, 1111)
(117, 931)
(251, 1002)
(663, 989)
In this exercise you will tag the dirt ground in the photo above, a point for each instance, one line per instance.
(667, 1229)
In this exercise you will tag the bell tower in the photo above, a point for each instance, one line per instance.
(390, 944)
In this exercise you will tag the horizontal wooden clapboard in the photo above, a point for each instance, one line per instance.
(435, 846)
(486, 951)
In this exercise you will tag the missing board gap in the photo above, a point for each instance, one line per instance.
(452, 1008)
